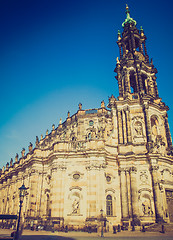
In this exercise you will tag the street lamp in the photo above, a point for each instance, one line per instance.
(22, 194)
(101, 219)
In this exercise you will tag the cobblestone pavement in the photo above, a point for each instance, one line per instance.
(126, 235)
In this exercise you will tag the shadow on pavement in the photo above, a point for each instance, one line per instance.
(44, 237)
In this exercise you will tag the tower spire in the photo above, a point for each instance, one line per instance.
(128, 18)
(135, 75)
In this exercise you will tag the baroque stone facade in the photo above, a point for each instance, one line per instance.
(118, 159)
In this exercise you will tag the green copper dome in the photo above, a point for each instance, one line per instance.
(128, 18)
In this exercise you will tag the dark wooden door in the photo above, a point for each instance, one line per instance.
(169, 197)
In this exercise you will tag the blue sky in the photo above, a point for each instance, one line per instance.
(55, 54)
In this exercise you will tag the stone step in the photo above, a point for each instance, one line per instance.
(157, 227)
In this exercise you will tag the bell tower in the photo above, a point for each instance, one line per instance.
(135, 74)
(141, 130)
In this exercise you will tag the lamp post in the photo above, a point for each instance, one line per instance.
(101, 219)
(22, 194)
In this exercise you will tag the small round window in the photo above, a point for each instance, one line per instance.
(91, 123)
(108, 179)
(76, 176)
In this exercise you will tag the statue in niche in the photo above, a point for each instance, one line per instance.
(138, 128)
(75, 206)
(146, 207)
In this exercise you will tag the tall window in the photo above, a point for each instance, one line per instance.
(109, 210)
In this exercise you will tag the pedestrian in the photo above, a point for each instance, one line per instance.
(143, 228)
(163, 229)
(114, 230)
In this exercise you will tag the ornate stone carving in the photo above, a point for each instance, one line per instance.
(138, 129)
(143, 177)
(145, 201)
(95, 166)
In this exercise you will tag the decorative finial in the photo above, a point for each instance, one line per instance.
(60, 121)
(41, 136)
(119, 35)
(23, 152)
(68, 114)
(16, 157)
(11, 162)
(30, 147)
(102, 104)
(53, 127)
(37, 141)
(128, 18)
(142, 31)
(7, 165)
(118, 62)
(47, 132)
(80, 106)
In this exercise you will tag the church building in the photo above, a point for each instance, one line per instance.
(112, 164)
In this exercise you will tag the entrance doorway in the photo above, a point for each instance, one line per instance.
(169, 198)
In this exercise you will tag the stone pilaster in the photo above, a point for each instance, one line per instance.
(124, 126)
(156, 193)
(33, 194)
(120, 130)
(129, 192)
(147, 124)
(57, 191)
(124, 194)
(134, 196)
(129, 135)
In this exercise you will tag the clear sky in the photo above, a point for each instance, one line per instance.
(57, 53)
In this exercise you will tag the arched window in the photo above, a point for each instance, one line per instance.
(109, 210)
(133, 84)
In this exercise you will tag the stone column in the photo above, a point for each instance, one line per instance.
(139, 78)
(119, 45)
(136, 81)
(146, 55)
(124, 194)
(156, 193)
(126, 79)
(134, 195)
(155, 86)
(141, 47)
(120, 130)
